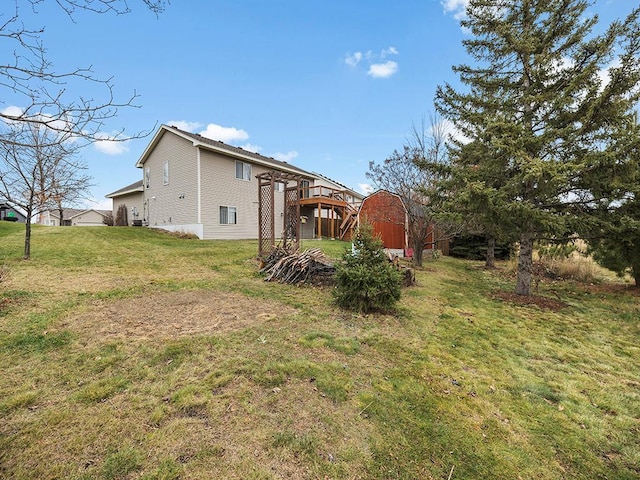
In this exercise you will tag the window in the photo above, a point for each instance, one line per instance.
(243, 170)
(147, 176)
(304, 186)
(228, 216)
(279, 186)
(165, 173)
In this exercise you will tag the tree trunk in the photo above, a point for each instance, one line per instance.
(418, 248)
(490, 261)
(27, 237)
(61, 212)
(525, 264)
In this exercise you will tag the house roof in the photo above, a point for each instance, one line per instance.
(69, 213)
(9, 206)
(134, 187)
(351, 191)
(221, 147)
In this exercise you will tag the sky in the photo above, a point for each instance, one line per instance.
(327, 85)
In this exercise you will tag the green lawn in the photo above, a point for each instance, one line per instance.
(129, 353)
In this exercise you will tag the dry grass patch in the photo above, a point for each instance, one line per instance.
(171, 315)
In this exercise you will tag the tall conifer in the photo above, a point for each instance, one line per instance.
(537, 100)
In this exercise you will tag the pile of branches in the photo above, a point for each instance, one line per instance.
(310, 266)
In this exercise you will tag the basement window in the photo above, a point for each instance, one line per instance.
(228, 215)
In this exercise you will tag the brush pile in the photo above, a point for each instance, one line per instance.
(310, 266)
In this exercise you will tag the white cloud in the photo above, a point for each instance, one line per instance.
(450, 131)
(185, 125)
(389, 51)
(604, 73)
(11, 111)
(365, 188)
(109, 145)
(251, 147)
(353, 59)
(382, 70)
(457, 7)
(285, 157)
(224, 134)
(378, 67)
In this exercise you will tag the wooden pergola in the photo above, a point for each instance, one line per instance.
(290, 235)
(332, 206)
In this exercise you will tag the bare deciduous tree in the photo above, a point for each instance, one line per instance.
(44, 96)
(69, 186)
(413, 174)
(48, 115)
(33, 161)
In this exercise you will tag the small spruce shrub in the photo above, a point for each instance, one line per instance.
(365, 280)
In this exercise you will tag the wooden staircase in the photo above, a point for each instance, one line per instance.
(349, 215)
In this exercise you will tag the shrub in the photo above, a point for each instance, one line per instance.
(474, 247)
(365, 280)
(122, 219)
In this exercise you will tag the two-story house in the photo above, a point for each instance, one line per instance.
(193, 184)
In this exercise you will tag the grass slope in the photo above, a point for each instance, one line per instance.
(128, 353)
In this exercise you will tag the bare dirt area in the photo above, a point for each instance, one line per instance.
(544, 303)
(173, 315)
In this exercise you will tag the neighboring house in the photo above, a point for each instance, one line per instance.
(387, 213)
(193, 184)
(10, 214)
(132, 197)
(74, 217)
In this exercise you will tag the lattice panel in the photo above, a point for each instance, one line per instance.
(292, 217)
(267, 229)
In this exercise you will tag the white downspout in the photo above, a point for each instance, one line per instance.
(198, 178)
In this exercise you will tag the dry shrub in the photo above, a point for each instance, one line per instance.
(574, 267)
(566, 262)
(184, 235)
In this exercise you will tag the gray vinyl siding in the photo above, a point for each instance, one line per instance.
(176, 202)
(220, 187)
(130, 200)
(88, 218)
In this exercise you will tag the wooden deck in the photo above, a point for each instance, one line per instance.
(333, 205)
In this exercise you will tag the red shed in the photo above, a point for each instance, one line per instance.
(387, 212)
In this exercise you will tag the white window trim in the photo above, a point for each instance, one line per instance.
(235, 215)
(165, 173)
(244, 177)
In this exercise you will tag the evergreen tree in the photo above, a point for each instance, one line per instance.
(545, 121)
(615, 240)
(619, 250)
(365, 280)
